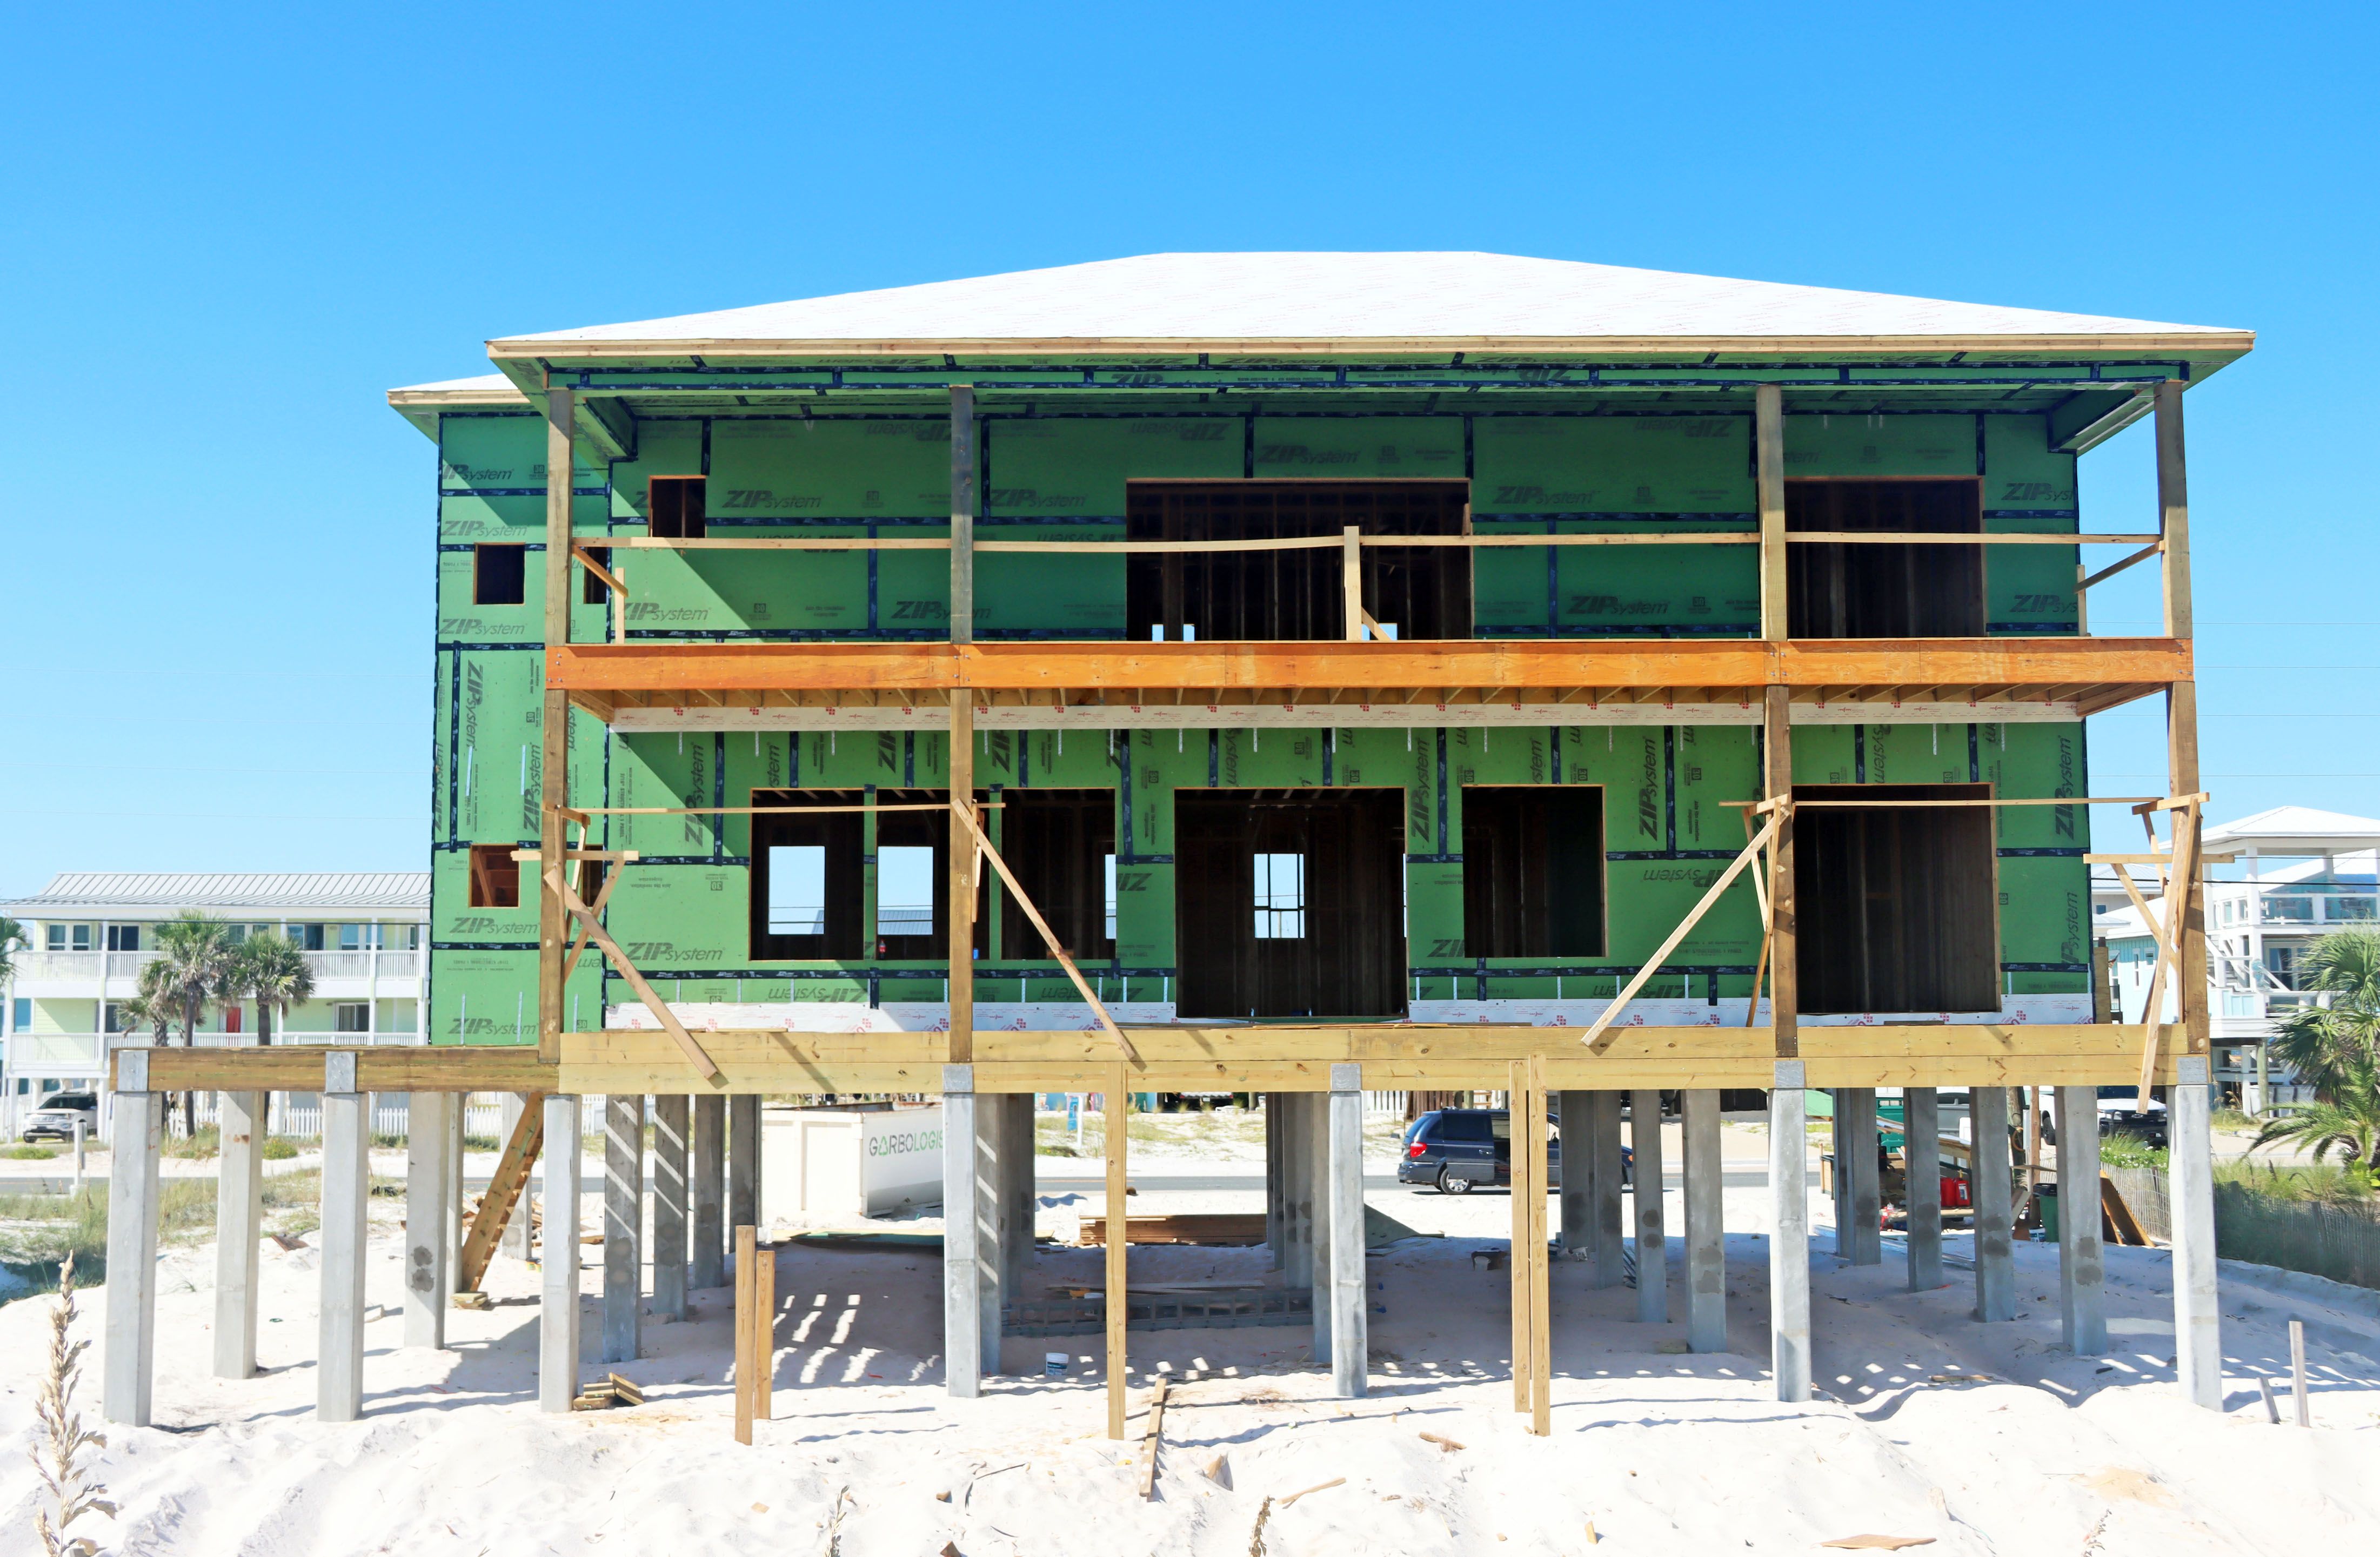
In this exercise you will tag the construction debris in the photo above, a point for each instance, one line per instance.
(1317, 1487)
(607, 1391)
(1876, 1543)
(1148, 1441)
(1449, 1444)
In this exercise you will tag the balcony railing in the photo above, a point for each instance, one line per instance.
(124, 967)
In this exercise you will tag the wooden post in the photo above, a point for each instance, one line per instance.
(2173, 509)
(764, 1329)
(1118, 1223)
(1517, 1147)
(963, 502)
(745, 1263)
(1541, 1363)
(1769, 478)
(963, 857)
(1784, 969)
(1351, 580)
(553, 920)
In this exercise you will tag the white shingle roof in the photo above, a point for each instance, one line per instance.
(1369, 297)
(142, 892)
(2288, 827)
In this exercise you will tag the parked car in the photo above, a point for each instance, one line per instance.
(2119, 1114)
(54, 1119)
(1451, 1150)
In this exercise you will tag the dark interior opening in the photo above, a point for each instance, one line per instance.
(495, 878)
(1422, 591)
(1884, 590)
(808, 881)
(673, 507)
(1060, 843)
(1896, 908)
(1290, 903)
(498, 575)
(1533, 870)
(594, 591)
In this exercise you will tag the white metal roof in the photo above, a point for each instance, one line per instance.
(2294, 829)
(144, 894)
(1359, 298)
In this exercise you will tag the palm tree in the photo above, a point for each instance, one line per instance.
(12, 938)
(2346, 1124)
(194, 959)
(2335, 1047)
(270, 970)
(153, 1008)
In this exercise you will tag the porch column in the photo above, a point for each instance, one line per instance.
(346, 1183)
(1575, 1114)
(962, 1267)
(670, 1205)
(136, 1135)
(1922, 1114)
(2196, 1320)
(428, 1176)
(1318, 1196)
(744, 1160)
(1610, 1237)
(1789, 1236)
(1859, 1238)
(516, 1240)
(992, 1203)
(1350, 1321)
(239, 1223)
(708, 1188)
(557, 1332)
(1706, 1223)
(1020, 1187)
(2082, 1266)
(623, 1226)
(1652, 1239)
(1995, 1211)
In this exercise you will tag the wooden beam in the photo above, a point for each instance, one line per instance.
(1541, 1358)
(965, 815)
(1783, 943)
(1653, 964)
(553, 730)
(2173, 512)
(1407, 666)
(1351, 583)
(965, 869)
(1967, 537)
(1516, 1094)
(746, 1292)
(595, 932)
(964, 499)
(1768, 481)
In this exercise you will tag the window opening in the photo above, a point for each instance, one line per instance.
(904, 889)
(797, 889)
(1281, 896)
(1062, 844)
(351, 1016)
(1898, 907)
(1858, 590)
(498, 575)
(495, 882)
(1533, 870)
(123, 938)
(673, 507)
(1299, 595)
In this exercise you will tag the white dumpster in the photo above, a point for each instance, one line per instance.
(850, 1162)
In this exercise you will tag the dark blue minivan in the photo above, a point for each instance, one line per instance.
(1453, 1149)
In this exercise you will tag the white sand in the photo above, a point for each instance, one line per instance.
(1664, 1452)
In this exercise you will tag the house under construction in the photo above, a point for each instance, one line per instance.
(1289, 674)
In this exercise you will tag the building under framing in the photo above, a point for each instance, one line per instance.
(1401, 670)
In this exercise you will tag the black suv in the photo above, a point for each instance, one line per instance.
(1453, 1149)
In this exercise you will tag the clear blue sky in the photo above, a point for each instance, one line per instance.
(228, 234)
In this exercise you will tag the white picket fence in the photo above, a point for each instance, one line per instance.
(298, 1115)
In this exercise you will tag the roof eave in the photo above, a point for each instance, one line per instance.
(422, 407)
(509, 351)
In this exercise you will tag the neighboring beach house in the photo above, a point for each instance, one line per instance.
(89, 933)
(2297, 875)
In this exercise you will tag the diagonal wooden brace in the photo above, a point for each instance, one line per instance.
(1594, 1039)
(703, 1063)
(965, 813)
